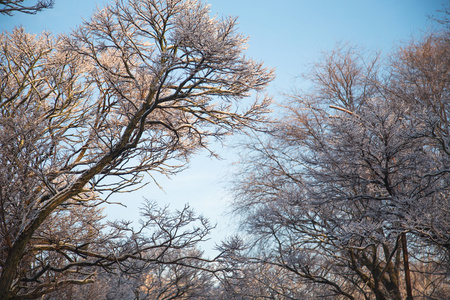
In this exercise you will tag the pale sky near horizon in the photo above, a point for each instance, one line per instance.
(288, 35)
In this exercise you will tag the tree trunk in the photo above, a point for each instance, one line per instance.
(19, 246)
(406, 266)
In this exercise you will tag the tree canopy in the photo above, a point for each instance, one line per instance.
(138, 88)
(343, 194)
(348, 191)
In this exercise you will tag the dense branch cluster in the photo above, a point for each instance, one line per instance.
(138, 88)
(344, 196)
(355, 176)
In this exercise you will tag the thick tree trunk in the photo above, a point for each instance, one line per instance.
(16, 252)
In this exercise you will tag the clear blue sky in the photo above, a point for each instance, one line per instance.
(288, 35)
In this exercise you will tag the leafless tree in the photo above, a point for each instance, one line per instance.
(136, 89)
(420, 78)
(178, 281)
(8, 7)
(253, 280)
(157, 260)
(350, 180)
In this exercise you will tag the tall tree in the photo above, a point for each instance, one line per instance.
(138, 88)
(350, 171)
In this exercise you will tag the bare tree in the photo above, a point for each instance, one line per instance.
(157, 260)
(420, 78)
(254, 280)
(178, 281)
(8, 7)
(343, 178)
(138, 88)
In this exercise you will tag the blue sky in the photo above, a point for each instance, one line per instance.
(288, 35)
